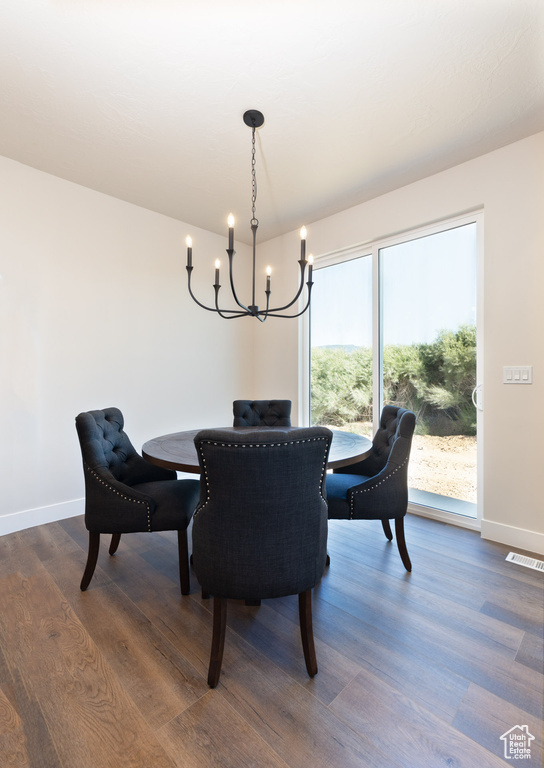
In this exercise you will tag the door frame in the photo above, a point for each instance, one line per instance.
(371, 249)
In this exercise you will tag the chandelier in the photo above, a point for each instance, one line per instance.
(253, 119)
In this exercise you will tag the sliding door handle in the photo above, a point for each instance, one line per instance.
(477, 397)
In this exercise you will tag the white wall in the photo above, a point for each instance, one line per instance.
(94, 312)
(509, 185)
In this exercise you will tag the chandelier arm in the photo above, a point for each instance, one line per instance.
(264, 312)
(230, 254)
(300, 289)
(273, 312)
(200, 304)
(233, 312)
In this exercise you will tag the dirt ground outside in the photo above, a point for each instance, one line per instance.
(442, 465)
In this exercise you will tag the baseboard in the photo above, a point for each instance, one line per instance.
(18, 521)
(520, 538)
(528, 541)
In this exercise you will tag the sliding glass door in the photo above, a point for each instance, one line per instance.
(428, 352)
(397, 324)
(341, 391)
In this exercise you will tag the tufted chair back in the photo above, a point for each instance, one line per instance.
(106, 447)
(262, 413)
(391, 442)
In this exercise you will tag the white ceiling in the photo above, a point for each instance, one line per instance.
(143, 99)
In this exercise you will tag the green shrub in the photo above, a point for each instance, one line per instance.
(433, 380)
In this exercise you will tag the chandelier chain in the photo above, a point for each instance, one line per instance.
(254, 220)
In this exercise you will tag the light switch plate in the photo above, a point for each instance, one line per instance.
(517, 374)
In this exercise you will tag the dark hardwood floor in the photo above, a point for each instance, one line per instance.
(416, 670)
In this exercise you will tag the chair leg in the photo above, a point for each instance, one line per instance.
(401, 543)
(115, 539)
(218, 640)
(205, 595)
(306, 631)
(92, 557)
(183, 554)
(387, 529)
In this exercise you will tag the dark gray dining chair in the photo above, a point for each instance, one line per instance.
(124, 493)
(260, 528)
(376, 488)
(262, 413)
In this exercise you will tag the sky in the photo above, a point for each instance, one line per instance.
(428, 285)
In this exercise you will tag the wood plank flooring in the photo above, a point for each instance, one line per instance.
(417, 670)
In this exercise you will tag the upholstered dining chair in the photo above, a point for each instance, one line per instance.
(124, 493)
(262, 413)
(260, 527)
(376, 488)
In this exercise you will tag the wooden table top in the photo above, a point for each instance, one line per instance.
(177, 450)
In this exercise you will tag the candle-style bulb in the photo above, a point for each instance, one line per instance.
(189, 241)
(217, 263)
(311, 260)
(231, 231)
(269, 271)
(303, 233)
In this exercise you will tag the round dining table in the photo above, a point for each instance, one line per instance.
(177, 450)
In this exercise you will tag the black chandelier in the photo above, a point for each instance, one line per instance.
(253, 119)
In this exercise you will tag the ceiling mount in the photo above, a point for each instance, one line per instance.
(253, 118)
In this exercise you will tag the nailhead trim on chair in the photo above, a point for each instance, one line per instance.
(257, 445)
(367, 490)
(263, 445)
(122, 495)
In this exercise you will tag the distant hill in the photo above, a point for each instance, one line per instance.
(346, 347)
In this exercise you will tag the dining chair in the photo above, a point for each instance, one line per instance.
(124, 493)
(260, 527)
(376, 488)
(262, 413)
